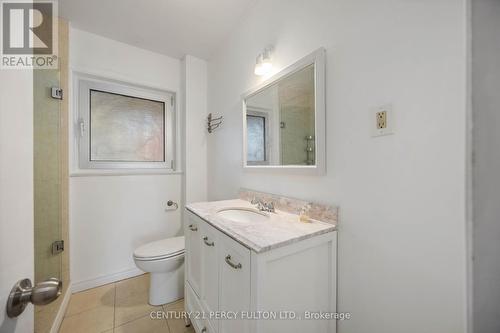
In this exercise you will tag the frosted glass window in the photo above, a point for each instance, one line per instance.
(126, 129)
(124, 126)
(256, 136)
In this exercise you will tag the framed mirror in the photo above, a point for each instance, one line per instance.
(284, 119)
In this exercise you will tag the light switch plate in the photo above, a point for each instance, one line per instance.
(382, 120)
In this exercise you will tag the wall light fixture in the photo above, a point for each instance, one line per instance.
(263, 63)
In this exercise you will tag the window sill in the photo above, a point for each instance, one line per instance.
(125, 172)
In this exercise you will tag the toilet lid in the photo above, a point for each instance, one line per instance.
(161, 249)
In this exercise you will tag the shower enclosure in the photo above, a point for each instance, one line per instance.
(50, 128)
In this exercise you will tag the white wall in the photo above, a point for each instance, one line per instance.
(401, 197)
(111, 215)
(16, 191)
(486, 182)
(194, 78)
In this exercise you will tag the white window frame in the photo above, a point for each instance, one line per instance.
(84, 84)
(262, 113)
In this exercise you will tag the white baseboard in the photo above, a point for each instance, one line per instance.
(62, 310)
(105, 279)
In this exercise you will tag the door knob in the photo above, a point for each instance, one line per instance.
(23, 293)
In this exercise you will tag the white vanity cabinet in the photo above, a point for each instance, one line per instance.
(218, 276)
(225, 278)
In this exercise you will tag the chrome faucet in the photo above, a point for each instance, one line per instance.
(263, 206)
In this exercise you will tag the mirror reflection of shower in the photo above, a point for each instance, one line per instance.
(279, 117)
(310, 150)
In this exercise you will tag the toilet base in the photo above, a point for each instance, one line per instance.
(166, 287)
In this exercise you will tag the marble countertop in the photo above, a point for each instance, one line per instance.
(281, 229)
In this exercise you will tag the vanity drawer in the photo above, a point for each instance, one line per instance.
(198, 318)
(205, 327)
(208, 327)
(194, 308)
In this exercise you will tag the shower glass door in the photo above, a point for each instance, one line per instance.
(46, 174)
(46, 187)
(50, 180)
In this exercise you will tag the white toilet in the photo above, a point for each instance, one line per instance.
(164, 260)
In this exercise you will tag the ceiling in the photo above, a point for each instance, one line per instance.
(170, 27)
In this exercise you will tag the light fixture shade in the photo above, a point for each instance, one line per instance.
(263, 63)
(259, 70)
(267, 67)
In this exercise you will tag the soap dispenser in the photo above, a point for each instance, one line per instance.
(303, 217)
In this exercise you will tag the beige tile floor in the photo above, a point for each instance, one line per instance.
(120, 307)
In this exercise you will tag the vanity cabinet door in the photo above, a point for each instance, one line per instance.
(193, 253)
(234, 284)
(210, 271)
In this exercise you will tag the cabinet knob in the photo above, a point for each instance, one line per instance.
(192, 227)
(232, 264)
(205, 239)
(203, 330)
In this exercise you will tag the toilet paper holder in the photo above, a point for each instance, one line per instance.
(172, 205)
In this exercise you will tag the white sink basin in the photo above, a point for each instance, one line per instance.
(244, 215)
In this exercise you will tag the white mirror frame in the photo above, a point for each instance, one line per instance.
(318, 58)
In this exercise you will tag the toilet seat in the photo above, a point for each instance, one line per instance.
(174, 256)
(160, 250)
